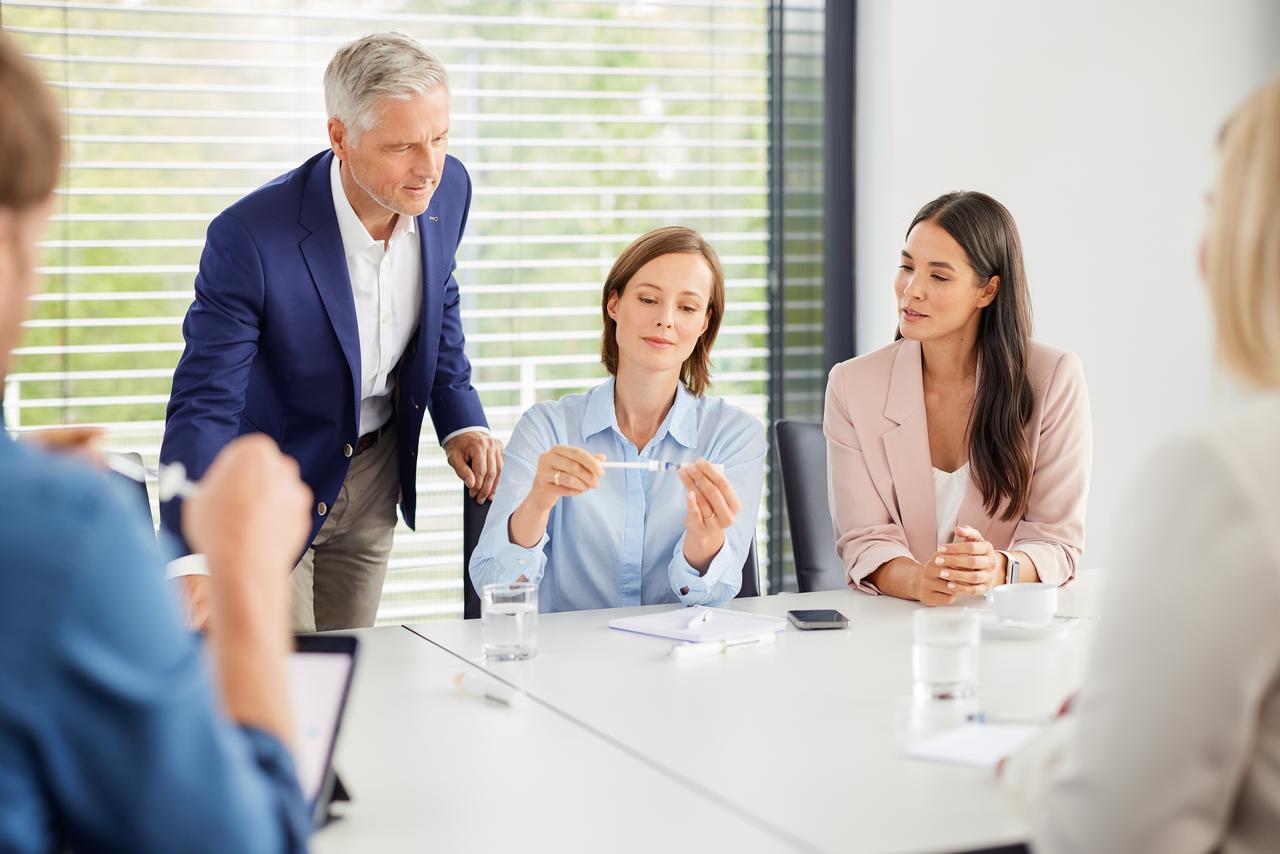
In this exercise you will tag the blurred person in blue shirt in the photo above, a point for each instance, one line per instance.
(593, 537)
(113, 736)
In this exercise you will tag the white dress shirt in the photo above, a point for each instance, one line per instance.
(386, 281)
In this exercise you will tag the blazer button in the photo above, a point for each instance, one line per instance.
(347, 451)
(322, 508)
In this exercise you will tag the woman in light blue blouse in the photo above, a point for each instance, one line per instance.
(597, 537)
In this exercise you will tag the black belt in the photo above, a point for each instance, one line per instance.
(368, 440)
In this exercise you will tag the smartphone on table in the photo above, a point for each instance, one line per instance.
(818, 618)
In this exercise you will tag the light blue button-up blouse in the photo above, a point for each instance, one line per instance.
(623, 542)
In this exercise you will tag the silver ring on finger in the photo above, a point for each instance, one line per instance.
(556, 479)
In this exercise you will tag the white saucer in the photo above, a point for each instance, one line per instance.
(997, 629)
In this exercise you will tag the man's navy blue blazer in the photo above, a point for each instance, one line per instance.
(272, 344)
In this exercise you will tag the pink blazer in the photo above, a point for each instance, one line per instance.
(880, 475)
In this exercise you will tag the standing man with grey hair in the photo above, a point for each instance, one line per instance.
(326, 316)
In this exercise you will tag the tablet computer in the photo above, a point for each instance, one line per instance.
(320, 671)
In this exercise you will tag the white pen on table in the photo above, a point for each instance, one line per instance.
(694, 650)
(171, 478)
(703, 615)
(485, 689)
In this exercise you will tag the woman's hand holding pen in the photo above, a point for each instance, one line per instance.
(711, 506)
(562, 471)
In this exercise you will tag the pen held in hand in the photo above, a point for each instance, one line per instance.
(171, 478)
(651, 465)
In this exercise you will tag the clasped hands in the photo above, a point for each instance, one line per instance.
(970, 566)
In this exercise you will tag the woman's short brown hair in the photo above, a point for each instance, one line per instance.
(30, 132)
(696, 371)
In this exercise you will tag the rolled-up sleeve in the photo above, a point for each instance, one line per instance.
(866, 535)
(1051, 530)
(497, 560)
(742, 455)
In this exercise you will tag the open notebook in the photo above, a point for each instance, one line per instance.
(722, 625)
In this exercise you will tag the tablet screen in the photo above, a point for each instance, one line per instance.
(317, 685)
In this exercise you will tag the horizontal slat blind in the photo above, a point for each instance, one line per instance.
(582, 123)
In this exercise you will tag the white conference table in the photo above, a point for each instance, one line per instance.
(432, 769)
(806, 736)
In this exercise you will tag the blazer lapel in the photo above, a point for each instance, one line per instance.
(322, 249)
(906, 448)
(429, 238)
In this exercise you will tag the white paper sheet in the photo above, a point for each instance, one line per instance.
(723, 625)
(976, 744)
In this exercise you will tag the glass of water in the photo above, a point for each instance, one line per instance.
(509, 613)
(944, 653)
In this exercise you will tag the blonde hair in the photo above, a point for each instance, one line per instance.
(695, 373)
(382, 65)
(1242, 248)
(30, 132)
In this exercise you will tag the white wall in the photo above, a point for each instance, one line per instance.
(1094, 122)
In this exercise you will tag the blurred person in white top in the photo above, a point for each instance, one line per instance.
(1174, 742)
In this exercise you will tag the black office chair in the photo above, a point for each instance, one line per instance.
(750, 575)
(473, 516)
(802, 459)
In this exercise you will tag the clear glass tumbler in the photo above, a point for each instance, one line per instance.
(944, 654)
(509, 613)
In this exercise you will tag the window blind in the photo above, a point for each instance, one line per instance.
(583, 124)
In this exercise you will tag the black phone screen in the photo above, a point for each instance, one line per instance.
(820, 615)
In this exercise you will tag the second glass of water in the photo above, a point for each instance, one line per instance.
(944, 654)
(509, 613)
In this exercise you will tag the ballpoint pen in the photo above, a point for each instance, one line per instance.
(171, 478)
(696, 650)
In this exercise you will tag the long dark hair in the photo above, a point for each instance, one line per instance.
(999, 447)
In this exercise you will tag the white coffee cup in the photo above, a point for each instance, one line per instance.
(1025, 603)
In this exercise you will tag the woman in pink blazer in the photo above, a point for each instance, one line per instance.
(958, 456)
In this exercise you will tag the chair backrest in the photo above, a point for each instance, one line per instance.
(802, 458)
(750, 574)
(473, 516)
